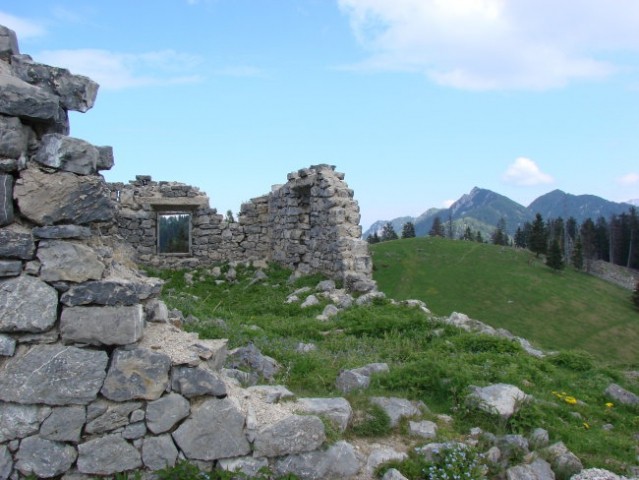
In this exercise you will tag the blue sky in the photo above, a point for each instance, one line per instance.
(417, 101)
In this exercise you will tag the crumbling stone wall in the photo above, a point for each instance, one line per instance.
(310, 224)
(94, 377)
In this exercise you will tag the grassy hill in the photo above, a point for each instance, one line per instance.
(512, 289)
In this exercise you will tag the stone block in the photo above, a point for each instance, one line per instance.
(16, 243)
(68, 154)
(120, 325)
(196, 381)
(8, 43)
(290, 435)
(44, 458)
(10, 268)
(164, 413)
(27, 304)
(20, 421)
(107, 455)
(64, 424)
(13, 137)
(159, 452)
(60, 232)
(19, 99)
(68, 261)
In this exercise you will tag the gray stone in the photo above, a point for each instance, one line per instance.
(195, 381)
(156, 311)
(539, 438)
(358, 378)
(64, 424)
(6, 462)
(13, 137)
(44, 458)
(339, 461)
(16, 244)
(250, 357)
(105, 158)
(101, 292)
(290, 435)
(133, 431)
(325, 286)
(107, 455)
(75, 92)
(499, 399)
(67, 154)
(53, 375)
(10, 268)
(513, 446)
(6, 200)
(271, 393)
(162, 414)
(563, 462)
(328, 312)
(305, 347)
(310, 301)
(249, 466)
(27, 305)
(159, 452)
(424, 429)
(7, 346)
(115, 416)
(337, 410)
(8, 43)
(397, 408)
(9, 165)
(62, 232)
(596, 474)
(137, 373)
(369, 298)
(393, 474)
(537, 470)
(383, 455)
(68, 261)
(214, 430)
(71, 198)
(102, 325)
(621, 395)
(19, 99)
(20, 421)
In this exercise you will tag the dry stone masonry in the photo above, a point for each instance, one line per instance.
(94, 380)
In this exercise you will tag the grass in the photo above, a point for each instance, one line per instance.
(428, 361)
(511, 288)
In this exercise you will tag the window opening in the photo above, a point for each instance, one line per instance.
(174, 233)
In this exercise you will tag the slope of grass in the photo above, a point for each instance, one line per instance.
(428, 361)
(511, 288)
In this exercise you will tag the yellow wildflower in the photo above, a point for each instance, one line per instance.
(570, 400)
(610, 404)
(586, 426)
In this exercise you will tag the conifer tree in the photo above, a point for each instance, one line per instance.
(388, 233)
(437, 230)
(372, 238)
(408, 230)
(578, 255)
(554, 258)
(538, 240)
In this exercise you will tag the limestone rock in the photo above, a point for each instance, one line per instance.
(162, 414)
(6, 462)
(214, 430)
(16, 244)
(249, 466)
(115, 416)
(513, 446)
(424, 429)
(501, 399)
(8, 43)
(75, 92)
(102, 325)
(328, 312)
(538, 438)
(136, 373)
(596, 474)
(270, 393)
(10, 268)
(62, 232)
(107, 455)
(13, 137)
(621, 395)
(67, 154)
(102, 292)
(44, 458)
(105, 158)
(339, 461)
(250, 357)
(310, 301)
(358, 378)
(64, 424)
(564, 463)
(159, 452)
(537, 470)
(53, 375)
(19, 421)
(7, 346)
(27, 304)
(134, 431)
(290, 435)
(397, 408)
(337, 410)
(70, 198)
(195, 381)
(19, 99)
(393, 474)
(68, 261)
(383, 455)
(6, 200)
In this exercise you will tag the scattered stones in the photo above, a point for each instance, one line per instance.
(621, 395)
(310, 301)
(250, 357)
(339, 461)
(538, 469)
(564, 463)
(383, 455)
(328, 312)
(271, 393)
(305, 347)
(500, 399)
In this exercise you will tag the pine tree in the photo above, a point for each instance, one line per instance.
(388, 233)
(578, 255)
(437, 230)
(499, 236)
(408, 230)
(372, 238)
(554, 258)
(520, 238)
(468, 235)
(478, 237)
(538, 239)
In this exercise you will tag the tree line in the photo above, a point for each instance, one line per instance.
(614, 240)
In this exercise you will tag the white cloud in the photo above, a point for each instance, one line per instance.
(113, 70)
(629, 179)
(495, 44)
(23, 27)
(524, 172)
(448, 203)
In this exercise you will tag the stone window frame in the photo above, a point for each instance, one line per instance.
(173, 210)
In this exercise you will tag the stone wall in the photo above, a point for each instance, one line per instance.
(94, 378)
(310, 224)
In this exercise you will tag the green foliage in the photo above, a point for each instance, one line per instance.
(388, 233)
(573, 360)
(187, 471)
(555, 259)
(373, 238)
(369, 419)
(457, 463)
(538, 237)
(437, 230)
(578, 255)
(408, 230)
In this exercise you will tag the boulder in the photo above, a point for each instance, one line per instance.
(538, 469)
(27, 304)
(102, 325)
(16, 244)
(251, 358)
(52, 375)
(67, 154)
(358, 378)
(107, 455)
(383, 455)
(270, 393)
(102, 292)
(563, 462)
(500, 399)
(214, 430)
(19, 99)
(19, 421)
(8, 43)
(195, 381)
(44, 458)
(159, 452)
(337, 410)
(339, 461)
(105, 158)
(289, 435)
(68, 261)
(164, 413)
(397, 408)
(136, 373)
(71, 198)
(424, 429)
(621, 395)
(64, 424)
